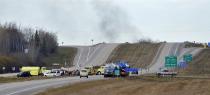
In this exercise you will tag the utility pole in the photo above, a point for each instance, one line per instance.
(92, 41)
(62, 43)
(65, 62)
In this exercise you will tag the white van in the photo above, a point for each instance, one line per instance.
(84, 73)
(53, 74)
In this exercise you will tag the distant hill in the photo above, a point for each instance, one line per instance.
(200, 64)
(137, 54)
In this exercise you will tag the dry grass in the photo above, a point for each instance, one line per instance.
(192, 44)
(200, 64)
(137, 86)
(137, 55)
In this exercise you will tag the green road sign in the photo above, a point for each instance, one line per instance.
(188, 58)
(171, 61)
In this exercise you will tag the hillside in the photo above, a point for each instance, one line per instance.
(200, 64)
(137, 54)
(93, 55)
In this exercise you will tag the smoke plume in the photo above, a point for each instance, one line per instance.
(114, 24)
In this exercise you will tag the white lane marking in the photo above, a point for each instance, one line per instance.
(170, 47)
(88, 53)
(40, 86)
(91, 55)
(95, 50)
(175, 52)
(79, 57)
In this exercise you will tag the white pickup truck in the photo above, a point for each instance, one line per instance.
(166, 72)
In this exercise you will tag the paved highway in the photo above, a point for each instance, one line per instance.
(88, 56)
(93, 55)
(36, 86)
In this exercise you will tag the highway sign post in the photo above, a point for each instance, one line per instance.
(209, 44)
(171, 61)
(188, 58)
(182, 64)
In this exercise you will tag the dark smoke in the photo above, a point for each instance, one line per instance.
(114, 24)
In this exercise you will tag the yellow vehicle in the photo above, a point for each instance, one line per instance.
(90, 70)
(100, 70)
(34, 70)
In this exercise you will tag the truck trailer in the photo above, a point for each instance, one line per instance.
(34, 70)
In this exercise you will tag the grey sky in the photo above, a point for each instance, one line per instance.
(79, 21)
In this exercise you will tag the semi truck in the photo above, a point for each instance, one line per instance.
(34, 70)
(122, 67)
(126, 69)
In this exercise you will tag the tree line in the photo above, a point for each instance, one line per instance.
(27, 45)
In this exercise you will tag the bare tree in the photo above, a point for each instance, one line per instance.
(14, 41)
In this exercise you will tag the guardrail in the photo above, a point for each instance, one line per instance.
(9, 69)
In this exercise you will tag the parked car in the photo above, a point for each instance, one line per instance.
(109, 71)
(84, 73)
(90, 70)
(100, 70)
(53, 74)
(24, 74)
(60, 70)
(47, 71)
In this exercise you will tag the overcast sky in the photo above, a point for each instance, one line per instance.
(79, 21)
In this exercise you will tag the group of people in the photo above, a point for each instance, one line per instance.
(74, 73)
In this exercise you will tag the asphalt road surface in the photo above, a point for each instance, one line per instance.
(93, 55)
(88, 56)
(36, 86)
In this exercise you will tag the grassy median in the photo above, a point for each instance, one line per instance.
(136, 86)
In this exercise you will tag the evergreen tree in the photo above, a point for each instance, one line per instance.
(37, 40)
